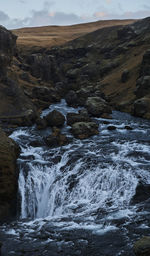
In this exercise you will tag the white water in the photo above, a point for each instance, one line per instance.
(82, 179)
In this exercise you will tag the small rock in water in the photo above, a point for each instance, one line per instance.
(111, 127)
(128, 127)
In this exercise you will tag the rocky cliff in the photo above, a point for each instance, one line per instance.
(15, 107)
(9, 152)
(111, 63)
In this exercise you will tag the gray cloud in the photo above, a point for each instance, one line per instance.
(46, 17)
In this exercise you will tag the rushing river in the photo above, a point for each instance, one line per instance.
(77, 199)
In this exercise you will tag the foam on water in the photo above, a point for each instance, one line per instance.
(97, 176)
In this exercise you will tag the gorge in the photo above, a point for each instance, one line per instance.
(77, 116)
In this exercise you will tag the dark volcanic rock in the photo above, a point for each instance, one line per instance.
(83, 130)
(56, 139)
(142, 246)
(145, 66)
(126, 33)
(42, 66)
(7, 49)
(41, 123)
(141, 107)
(46, 94)
(74, 118)
(55, 118)
(72, 99)
(97, 106)
(111, 128)
(142, 193)
(9, 152)
(142, 86)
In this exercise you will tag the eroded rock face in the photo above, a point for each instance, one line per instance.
(83, 130)
(7, 49)
(142, 107)
(97, 106)
(142, 247)
(142, 86)
(9, 152)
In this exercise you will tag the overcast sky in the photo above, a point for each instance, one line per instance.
(23, 13)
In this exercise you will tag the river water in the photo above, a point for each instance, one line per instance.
(77, 199)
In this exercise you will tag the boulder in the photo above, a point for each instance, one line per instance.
(9, 152)
(142, 86)
(75, 118)
(55, 118)
(83, 130)
(141, 107)
(97, 106)
(56, 139)
(142, 246)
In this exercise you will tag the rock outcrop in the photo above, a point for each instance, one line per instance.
(15, 108)
(9, 152)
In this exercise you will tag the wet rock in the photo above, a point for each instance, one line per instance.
(7, 50)
(55, 118)
(74, 118)
(142, 246)
(72, 99)
(127, 127)
(97, 106)
(9, 152)
(111, 128)
(142, 193)
(125, 76)
(41, 123)
(83, 130)
(56, 139)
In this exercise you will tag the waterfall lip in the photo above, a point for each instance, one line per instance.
(92, 182)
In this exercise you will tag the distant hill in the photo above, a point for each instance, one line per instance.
(48, 36)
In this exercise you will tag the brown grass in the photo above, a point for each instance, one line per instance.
(48, 36)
